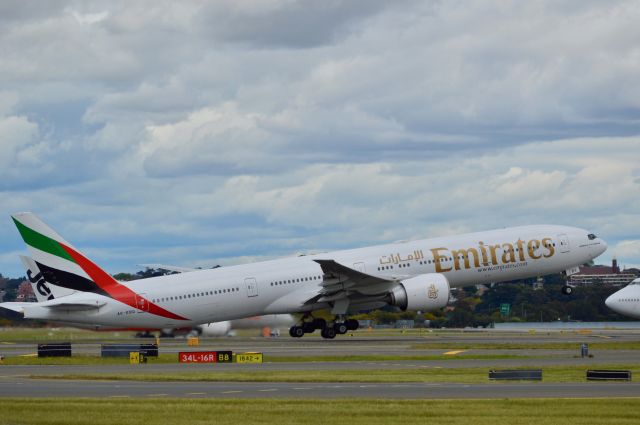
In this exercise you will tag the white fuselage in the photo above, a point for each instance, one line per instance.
(286, 285)
(626, 301)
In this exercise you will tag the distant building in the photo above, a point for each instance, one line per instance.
(633, 270)
(25, 293)
(602, 274)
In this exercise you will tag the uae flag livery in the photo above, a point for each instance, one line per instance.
(62, 265)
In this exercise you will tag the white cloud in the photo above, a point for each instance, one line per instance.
(90, 18)
(256, 129)
(16, 133)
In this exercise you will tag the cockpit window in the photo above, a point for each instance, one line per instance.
(591, 236)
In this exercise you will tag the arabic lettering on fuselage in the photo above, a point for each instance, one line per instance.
(482, 255)
(397, 258)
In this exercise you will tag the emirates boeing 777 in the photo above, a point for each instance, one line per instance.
(414, 275)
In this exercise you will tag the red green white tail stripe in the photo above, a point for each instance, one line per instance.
(63, 265)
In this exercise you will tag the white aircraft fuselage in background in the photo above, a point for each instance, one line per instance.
(414, 275)
(626, 301)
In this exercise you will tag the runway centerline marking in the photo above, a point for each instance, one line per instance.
(268, 390)
(196, 393)
(231, 392)
(453, 353)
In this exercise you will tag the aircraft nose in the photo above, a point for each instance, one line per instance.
(609, 302)
(613, 302)
(604, 246)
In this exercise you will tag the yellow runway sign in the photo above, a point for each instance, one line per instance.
(249, 358)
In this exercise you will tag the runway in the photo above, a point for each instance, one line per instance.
(21, 387)
(15, 379)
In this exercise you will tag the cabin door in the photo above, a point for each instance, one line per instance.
(564, 243)
(252, 287)
(141, 303)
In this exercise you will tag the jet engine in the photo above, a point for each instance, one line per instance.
(425, 292)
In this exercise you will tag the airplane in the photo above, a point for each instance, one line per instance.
(413, 275)
(271, 322)
(626, 301)
(45, 291)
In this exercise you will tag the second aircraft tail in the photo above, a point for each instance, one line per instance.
(43, 290)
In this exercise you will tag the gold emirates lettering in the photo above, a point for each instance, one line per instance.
(489, 254)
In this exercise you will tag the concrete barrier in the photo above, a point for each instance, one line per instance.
(516, 375)
(60, 349)
(608, 375)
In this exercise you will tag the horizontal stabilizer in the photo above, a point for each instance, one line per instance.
(18, 307)
(77, 305)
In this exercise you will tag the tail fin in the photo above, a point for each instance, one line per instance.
(62, 265)
(44, 290)
(59, 263)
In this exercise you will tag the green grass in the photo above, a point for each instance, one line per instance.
(432, 374)
(9, 335)
(625, 345)
(612, 411)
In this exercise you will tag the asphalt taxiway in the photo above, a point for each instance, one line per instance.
(23, 387)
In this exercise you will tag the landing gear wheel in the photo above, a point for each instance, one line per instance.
(296, 331)
(567, 290)
(308, 327)
(352, 324)
(340, 328)
(319, 323)
(328, 333)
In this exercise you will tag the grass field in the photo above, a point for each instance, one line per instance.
(327, 412)
(58, 334)
(435, 375)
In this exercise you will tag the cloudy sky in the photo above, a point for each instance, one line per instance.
(223, 132)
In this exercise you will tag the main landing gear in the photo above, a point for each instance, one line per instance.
(327, 330)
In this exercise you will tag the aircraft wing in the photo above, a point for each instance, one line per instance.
(168, 268)
(344, 283)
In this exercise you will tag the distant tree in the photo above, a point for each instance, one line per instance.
(125, 277)
(11, 288)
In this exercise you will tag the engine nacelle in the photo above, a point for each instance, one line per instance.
(425, 292)
(215, 328)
